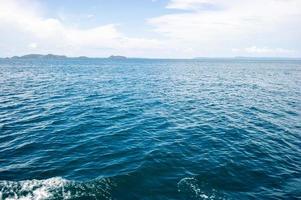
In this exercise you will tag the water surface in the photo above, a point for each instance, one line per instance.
(150, 129)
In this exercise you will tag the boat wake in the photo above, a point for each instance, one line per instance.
(56, 188)
(193, 189)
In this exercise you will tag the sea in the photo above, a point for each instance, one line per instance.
(150, 129)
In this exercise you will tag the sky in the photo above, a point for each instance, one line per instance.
(151, 28)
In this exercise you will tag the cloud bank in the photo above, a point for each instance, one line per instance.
(24, 29)
(195, 28)
(215, 26)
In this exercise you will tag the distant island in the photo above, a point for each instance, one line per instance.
(117, 57)
(39, 56)
(52, 56)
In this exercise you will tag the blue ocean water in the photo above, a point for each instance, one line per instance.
(150, 129)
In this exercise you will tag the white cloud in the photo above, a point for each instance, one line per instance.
(266, 50)
(32, 45)
(196, 28)
(89, 16)
(214, 27)
(263, 51)
(28, 24)
(188, 4)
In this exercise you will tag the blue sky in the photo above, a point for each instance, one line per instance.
(151, 28)
(130, 15)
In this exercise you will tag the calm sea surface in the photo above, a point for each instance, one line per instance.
(150, 129)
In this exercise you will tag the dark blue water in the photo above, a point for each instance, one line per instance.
(150, 129)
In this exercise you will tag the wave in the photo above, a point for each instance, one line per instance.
(56, 188)
(194, 189)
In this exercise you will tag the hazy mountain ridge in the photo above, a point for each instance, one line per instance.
(119, 57)
(53, 56)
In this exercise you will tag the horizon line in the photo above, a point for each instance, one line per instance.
(126, 57)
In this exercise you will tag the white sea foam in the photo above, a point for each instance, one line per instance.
(193, 189)
(53, 188)
(31, 189)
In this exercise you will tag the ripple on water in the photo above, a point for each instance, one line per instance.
(230, 129)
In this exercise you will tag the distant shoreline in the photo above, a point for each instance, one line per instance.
(53, 56)
(118, 57)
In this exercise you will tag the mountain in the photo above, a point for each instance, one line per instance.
(52, 56)
(117, 57)
(39, 56)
